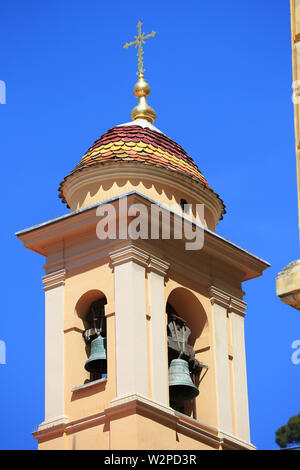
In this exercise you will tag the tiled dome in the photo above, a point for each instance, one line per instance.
(140, 143)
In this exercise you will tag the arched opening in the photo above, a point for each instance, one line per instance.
(186, 321)
(91, 309)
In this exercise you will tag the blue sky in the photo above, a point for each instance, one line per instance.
(221, 77)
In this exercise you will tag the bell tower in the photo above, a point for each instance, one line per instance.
(144, 330)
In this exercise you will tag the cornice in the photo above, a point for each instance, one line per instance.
(41, 239)
(229, 250)
(137, 404)
(228, 441)
(51, 427)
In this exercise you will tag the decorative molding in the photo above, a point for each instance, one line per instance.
(55, 279)
(138, 404)
(182, 423)
(53, 423)
(228, 301)
(82, 423)
(158, 266)
(219, 297)
(129, 253)
(40, 239)
(197, 430)
(49, 433)
(237, 306)
(228, 441)
(73, 426)
(112, 170)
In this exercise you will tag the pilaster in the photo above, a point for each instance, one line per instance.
(220, 301)
(54, 348)
(236, 317)
(129, 264)
(157, 270)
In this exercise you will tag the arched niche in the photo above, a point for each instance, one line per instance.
(83, 304)
(184, 304)
(88, 304)
(189, 307)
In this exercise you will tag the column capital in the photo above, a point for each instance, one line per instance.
(226, 300)
(55, 279)
(128, 253)
(140, 256)
(237, 306)
(158, 265)
(218, 296)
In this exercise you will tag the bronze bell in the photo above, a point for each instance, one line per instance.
(181, 385)
(97, 363)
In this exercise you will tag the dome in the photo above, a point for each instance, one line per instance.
(142, 143)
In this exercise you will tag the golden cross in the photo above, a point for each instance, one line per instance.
(139, 41)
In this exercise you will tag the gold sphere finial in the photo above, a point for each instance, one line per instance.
(142, 110)
(141, 88)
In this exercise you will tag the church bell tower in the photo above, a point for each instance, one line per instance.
(144, 329)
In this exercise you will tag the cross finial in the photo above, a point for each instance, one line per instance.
(141, 88)
(140, 39)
